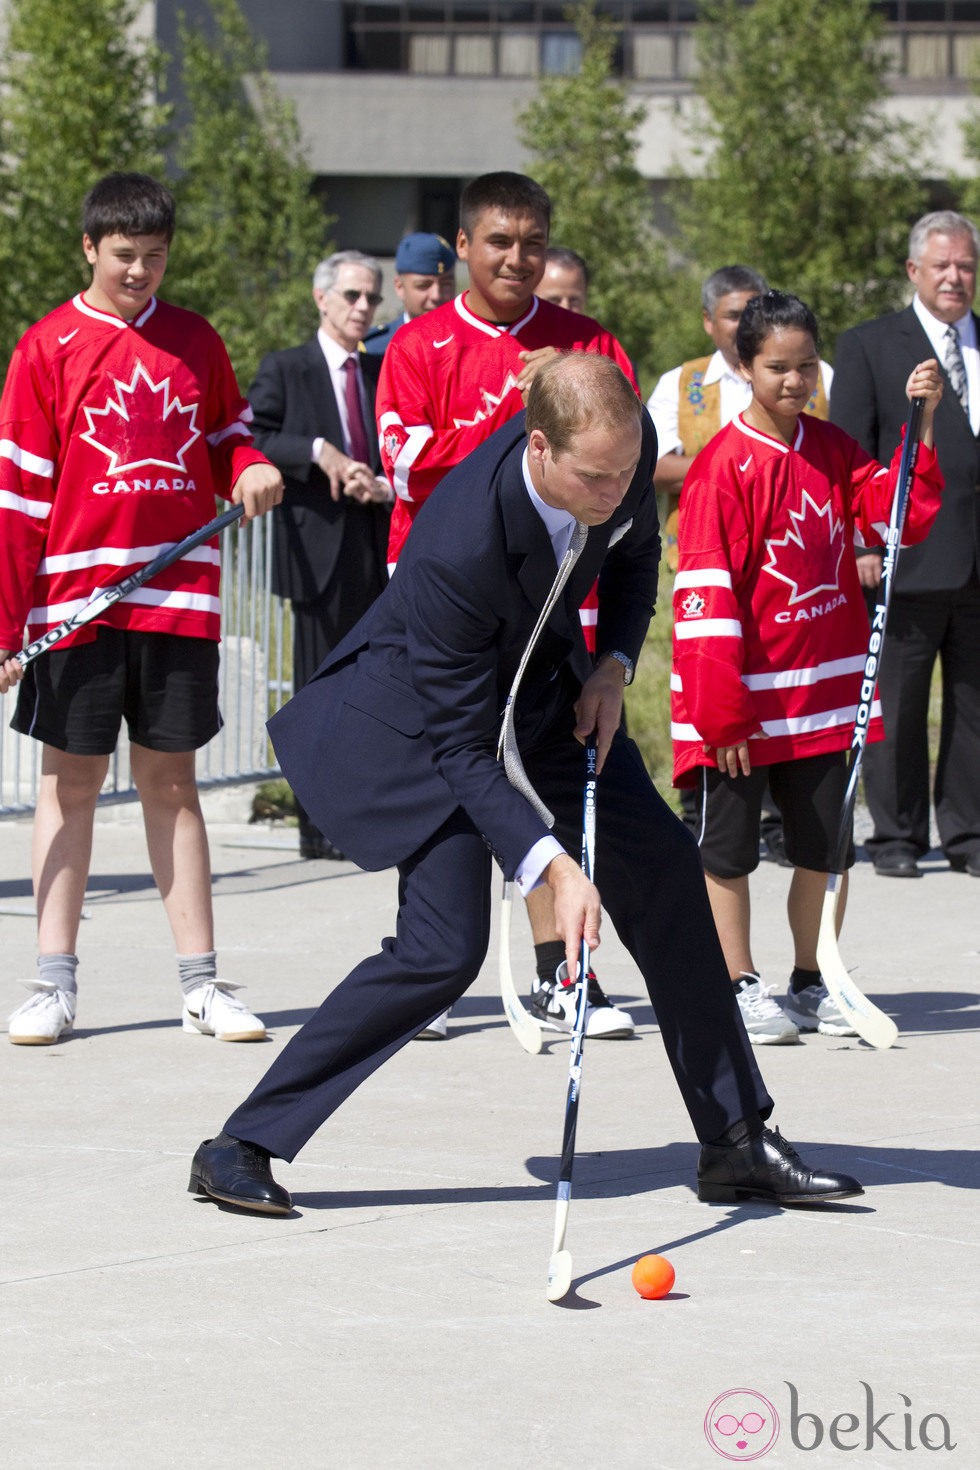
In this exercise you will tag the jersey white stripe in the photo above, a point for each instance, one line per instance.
(240, 426)
(796, 678)
(39, 509)
(830, 719)
(145, 596)
(588, 616)
(24, 460)
(709, 628)
(120, 556)
(418, 438)
(707, 577)
(792, 678)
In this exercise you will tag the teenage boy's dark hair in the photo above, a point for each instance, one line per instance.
(128, 204)
(512, 193)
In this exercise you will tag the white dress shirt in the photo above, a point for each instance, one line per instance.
(336, 356)
(935, 330)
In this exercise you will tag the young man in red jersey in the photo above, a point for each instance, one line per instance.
(120, 422)
(449, 379)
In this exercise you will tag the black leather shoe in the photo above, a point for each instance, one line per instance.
(766, 1168)
(896, 862)
(237, 1173)
(970, 864)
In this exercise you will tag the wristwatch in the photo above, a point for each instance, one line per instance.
(629, 666)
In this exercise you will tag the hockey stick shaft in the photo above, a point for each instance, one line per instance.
(104, 599)
(879, 620)
(560, 1265)
(871, 1023)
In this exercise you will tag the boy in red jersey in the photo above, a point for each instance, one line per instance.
(771, 636)
(449, 379)
(119, 424)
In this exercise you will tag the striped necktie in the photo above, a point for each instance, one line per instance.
(507, 744)
(955, 367)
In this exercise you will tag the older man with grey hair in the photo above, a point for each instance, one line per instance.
(935, 607)
(313, 409)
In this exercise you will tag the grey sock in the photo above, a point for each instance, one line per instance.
(196, 969)
(59, 969)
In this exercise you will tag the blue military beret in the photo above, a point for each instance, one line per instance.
(424, 255)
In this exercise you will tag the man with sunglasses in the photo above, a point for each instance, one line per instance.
(313, 409)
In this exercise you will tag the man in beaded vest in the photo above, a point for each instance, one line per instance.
(692, 402)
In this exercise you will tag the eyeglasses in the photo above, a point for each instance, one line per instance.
(750, 1423)
(353, 297)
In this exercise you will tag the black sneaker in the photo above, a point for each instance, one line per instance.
(553, 1006)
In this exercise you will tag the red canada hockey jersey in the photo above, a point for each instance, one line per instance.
(770, 625)
(115, 438)
(449, 379)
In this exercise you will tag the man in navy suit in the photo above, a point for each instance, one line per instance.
(935, 607)
(313, 409)
(393, 746)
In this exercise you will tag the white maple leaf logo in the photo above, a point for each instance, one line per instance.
(491, 402)
(808, 557)
(142, 426)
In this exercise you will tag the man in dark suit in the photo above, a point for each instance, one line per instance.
(935, 607)
(313, 410)
(393, 744)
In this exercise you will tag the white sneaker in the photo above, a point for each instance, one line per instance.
(553, 1005)
(765, 1020)
(46, 1015)
(213, 1010)
(814, 1009)
(436, 1030)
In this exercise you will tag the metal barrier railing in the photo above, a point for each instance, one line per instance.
(255, 680)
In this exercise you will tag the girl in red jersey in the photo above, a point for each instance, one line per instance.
(770, 638)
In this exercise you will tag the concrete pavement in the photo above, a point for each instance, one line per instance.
(398, 1318)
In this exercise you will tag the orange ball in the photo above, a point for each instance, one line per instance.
(653, 1276)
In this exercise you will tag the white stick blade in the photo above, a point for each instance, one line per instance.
(559, 1275)
(870, 1023)
(524, 1026)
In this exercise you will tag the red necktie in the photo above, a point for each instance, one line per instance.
(355, 417)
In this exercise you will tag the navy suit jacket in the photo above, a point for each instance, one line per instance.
(871, 368)
(399, 726)
(293, 402)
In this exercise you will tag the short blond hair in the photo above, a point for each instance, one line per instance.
(579, 390)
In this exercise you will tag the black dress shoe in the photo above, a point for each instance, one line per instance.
(766, 1168)
(237, 1173)
(896, 862)
(970, 864)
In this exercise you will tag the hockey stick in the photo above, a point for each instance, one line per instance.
(870, 1023)
(522, 1023)
(108, 595)
(560, 1265)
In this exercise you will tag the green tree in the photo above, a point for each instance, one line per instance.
(968, 190)
(581, 134)
(250, 228)
(76, 101)
(805, 178)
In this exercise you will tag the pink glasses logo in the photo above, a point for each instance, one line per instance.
(741, 1425)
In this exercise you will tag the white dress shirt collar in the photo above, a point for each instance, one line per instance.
(559, 524)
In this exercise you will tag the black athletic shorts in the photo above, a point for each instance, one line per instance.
(809, 794)
(164, 685)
